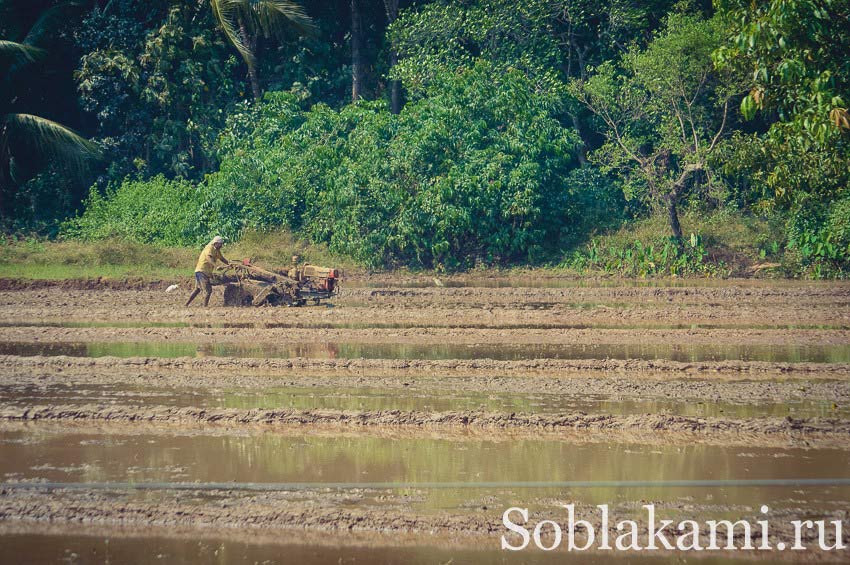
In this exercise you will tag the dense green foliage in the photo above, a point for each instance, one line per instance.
(663, 110)
(161, 91)
(157, 210)
(796, 52)
(521, 132)
(472, 173)
(437, 185)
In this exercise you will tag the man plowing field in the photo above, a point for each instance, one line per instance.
(205, 267)
(246, 284)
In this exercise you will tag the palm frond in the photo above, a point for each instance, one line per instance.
(273, 16)
(225, 13)
(46, 22)
(34, 136)
(18, 52)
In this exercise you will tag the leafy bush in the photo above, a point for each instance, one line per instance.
(658, 257)
(153, 211)
(477, 171)
(474, 171)
(819, 237)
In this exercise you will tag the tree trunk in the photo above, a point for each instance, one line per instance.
(673, 216)
(582, 150)
(5, 166)
(255, 83)
(253, 76)
(672, 199)
(357, 66)
(395, 86)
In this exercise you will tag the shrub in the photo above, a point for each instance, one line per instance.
(661, 256)
(157, 210)
(474, 171)
(819, 237)
(477, 171)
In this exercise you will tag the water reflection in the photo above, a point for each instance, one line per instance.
(339, 398)
(39, 549)
(302, 457)
(784, 353)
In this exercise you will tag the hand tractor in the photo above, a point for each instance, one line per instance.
(247, 284)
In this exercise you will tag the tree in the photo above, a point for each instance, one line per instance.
(549, 40)
(663, 111)
(795, 55)
(358, 63)
(28, 142)
(244, 20)
(391, 7)
(157, 81)
(796, 51)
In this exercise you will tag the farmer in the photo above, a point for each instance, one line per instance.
(204, 269)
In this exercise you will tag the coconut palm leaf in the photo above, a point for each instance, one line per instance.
(225, 12)
(33, 136)
(267, 16)
(274, 16)
(19, 52)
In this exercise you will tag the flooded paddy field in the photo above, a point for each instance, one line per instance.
(448, 472)
(118, 545)
(819, 399)
(399, 422)
(783, 353)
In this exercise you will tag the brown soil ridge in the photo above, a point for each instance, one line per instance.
(99, 283)
(431, 336)
(683, 294)
(151, 310)
(455, 367)
(739, 390)
(241, 535)
(94, 508)
(824, 428)
(323, 512)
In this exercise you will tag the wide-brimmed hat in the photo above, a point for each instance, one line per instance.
(217, 239)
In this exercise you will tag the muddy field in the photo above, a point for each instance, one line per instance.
(398, 422)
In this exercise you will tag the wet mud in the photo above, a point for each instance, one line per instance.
(479, 381)
(813, 431)
(692, 352)
(287, 515)
(498, 373)
(816, 400)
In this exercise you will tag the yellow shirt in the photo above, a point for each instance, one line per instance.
(206, 262)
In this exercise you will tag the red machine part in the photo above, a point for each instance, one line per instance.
(330, 282)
